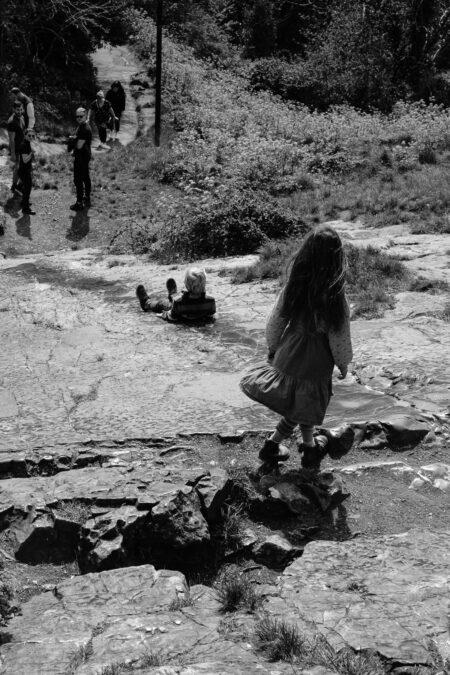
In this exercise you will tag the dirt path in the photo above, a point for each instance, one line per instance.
(55, 227)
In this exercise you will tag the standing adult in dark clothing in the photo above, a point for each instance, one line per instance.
(80, 145)
(102, 113)
(28, 107)
(116, 96)
(26, 170)
(16, 128)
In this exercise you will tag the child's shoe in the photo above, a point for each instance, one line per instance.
(142, 296)
(312, 456)
(272, 451)
(171, 286)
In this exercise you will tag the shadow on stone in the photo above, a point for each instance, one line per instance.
(79, 228)
(23, 226)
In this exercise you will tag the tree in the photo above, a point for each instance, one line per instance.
(41, 36)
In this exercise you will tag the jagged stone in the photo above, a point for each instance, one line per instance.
(213, 489)
(290, 495)
(389, 594)
(165, 505)
(275, 551)
(404, 429)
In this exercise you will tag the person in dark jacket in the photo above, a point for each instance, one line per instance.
(26, 156)
(80, 146)
(116, 96)
(190, 305)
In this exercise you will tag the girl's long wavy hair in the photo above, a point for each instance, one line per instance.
(315, 288)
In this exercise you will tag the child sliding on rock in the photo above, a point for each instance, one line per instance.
(193, 304)
(308, 333)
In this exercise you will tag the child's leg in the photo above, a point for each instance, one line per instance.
(158, 306)
(284, 429)
(25, 177)
(307, 434)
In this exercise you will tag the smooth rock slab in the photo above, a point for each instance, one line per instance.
(118, 616)
(390, 594)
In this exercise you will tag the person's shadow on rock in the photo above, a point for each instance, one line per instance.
(79, 228)
(12, 207)
(23, 228)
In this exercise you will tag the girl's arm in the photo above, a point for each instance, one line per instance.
(276, 325)
(341, 343)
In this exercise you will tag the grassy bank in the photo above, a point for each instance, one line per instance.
(232, 155)
(373, 277)
(240, 171)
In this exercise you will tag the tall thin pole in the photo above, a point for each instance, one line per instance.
(158, 72)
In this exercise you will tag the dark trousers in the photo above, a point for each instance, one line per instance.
(81, 178)
(102, 133)
(158, 305)
(117, 122)
(26, 180)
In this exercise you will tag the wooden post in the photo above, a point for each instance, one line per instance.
(158, 72)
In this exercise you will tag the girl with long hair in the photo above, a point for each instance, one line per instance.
(308, 333)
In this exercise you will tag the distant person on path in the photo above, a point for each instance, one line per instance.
(16, 129)
(26, 156)
(190, 305)
(308, 333)
(80, 145)
(116, 96)
(103, 115)
(28, 107)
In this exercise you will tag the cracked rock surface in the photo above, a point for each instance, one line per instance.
(389, 594)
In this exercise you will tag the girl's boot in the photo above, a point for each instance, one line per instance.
(312, 456)
(273, 452)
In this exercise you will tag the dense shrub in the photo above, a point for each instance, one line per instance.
(230, 225)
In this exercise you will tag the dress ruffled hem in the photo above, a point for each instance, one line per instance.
(302, 401)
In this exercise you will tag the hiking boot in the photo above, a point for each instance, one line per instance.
(87, 201)
(28, 210)
(142, 296)
(272, 451)
(171, 286)
(312, 456)
(78, 206)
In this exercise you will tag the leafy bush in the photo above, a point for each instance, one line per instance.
(230, 225)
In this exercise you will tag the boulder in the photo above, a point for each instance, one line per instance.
(275, 551)
(404, 430)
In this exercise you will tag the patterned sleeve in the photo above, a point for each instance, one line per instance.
(341, 342)
(276, 324)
